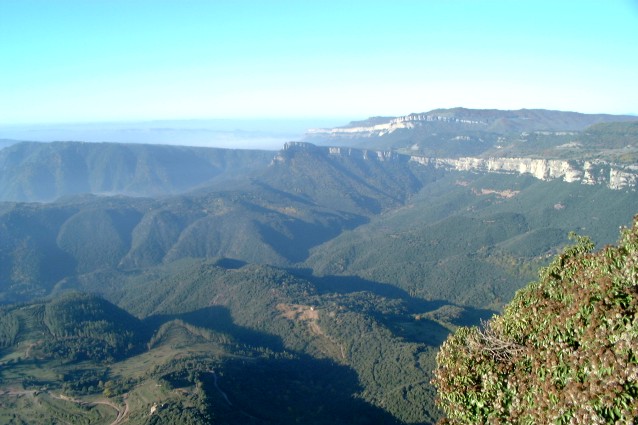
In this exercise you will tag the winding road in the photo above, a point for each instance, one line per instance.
(121, 413)
(219, 389)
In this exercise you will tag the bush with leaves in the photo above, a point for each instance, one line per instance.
(565, 350)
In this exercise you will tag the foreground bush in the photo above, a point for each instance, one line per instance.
(565, 350)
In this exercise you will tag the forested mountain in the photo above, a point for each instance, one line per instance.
(39, 172)
(169, 284)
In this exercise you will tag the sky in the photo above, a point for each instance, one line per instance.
(65, 61)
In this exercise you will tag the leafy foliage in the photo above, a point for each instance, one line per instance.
(563, 351)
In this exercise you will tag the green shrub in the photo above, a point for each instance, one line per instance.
(565, 350)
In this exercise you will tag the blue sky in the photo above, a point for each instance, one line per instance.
(99, 60)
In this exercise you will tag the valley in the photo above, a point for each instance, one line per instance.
(149, 284)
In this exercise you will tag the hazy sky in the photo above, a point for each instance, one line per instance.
(94, 60)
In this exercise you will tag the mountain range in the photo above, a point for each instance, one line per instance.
(471, 132)
(313, 284)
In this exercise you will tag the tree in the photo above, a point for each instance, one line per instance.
(565, 350)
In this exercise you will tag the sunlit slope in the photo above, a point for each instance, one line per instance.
(474, 239)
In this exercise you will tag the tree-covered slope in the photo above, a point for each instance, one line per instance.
(43, 172)
(72, 327)
(334, 274)
(474, 239)
(279, 347)
(40, 244)
(354, 180)
(380, 338)
(294, 205)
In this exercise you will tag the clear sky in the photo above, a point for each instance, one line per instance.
(101, 60)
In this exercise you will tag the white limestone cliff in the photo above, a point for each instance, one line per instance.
(404, 122)
(613, 176)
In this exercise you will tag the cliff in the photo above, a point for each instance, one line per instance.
(292, 148)
(613, 176)
(595, 172)
(392, 124)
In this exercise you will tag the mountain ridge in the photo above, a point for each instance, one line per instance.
(37, 171)
(458, 131)
(493, 119)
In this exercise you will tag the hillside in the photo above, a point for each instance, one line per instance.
(276, 343)
(43, 172)
(43, 243)
(366, 182)
(474, 239)
(308, 196)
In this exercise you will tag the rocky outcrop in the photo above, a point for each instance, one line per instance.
(334, 151)
(613, 176)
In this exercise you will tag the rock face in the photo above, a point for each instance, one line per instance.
(336, 151)
(586, 172)
(614, 176)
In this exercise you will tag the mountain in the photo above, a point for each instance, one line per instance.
(309, 196)
(305, 197)
(458, 131)
(43, 243)
(43, 172)
(72, 327)
(353, 180)
(474, 239)
(381, 216)
(313, 284)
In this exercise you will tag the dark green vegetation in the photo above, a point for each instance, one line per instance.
(565, 350)
(312, 285)
(278, 348)
(493, 230)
